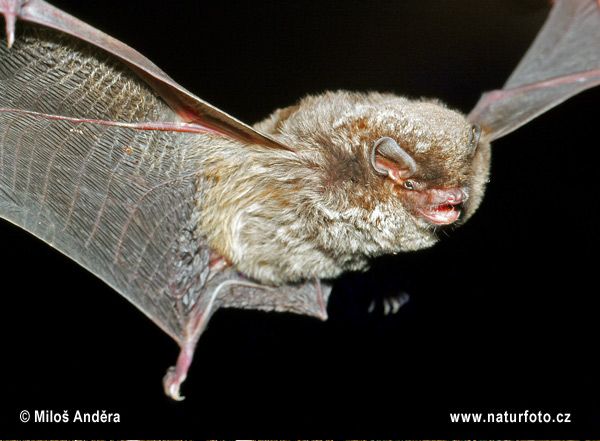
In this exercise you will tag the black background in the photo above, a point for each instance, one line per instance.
(503, 313)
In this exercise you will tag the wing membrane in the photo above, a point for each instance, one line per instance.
(115, 199)
(96, 164)
(563, 61)
(189, 107)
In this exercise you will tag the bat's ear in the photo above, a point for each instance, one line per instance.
(388, 158)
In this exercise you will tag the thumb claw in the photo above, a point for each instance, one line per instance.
(10, 30)
(10, 9)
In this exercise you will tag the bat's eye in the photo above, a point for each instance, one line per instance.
(410, 184)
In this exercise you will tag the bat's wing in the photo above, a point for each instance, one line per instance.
(563, 61)
(188, 107)
(102, 167)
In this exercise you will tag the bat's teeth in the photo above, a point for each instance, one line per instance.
(441, 214)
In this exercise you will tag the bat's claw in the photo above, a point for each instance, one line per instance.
(177, 374)
(10, 9)
(391, 305)
(172, 383)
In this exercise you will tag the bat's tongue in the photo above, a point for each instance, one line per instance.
(441, 214)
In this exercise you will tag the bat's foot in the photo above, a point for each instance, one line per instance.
(177, 374)
(172, 383)
(197, 320)
(391, 305)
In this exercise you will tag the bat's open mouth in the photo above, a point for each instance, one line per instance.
(442, 214)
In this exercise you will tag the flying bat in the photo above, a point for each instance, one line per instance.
(183, 209)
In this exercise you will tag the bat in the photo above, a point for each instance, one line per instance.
(495, 122)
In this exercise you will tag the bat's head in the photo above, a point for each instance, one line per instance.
(403, 167)
(366, 174)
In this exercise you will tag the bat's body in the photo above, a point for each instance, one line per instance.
(339, 198)
(156, 192)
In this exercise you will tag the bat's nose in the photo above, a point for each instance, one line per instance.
(452, 196)
(455, 196)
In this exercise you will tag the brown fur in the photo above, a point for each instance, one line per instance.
(282, 216)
